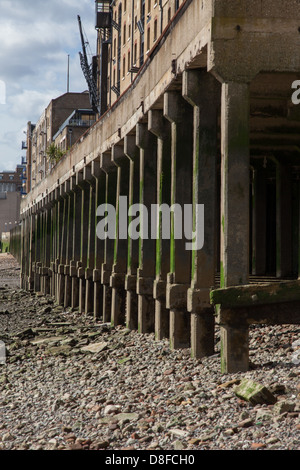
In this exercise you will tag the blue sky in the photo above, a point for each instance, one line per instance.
(36, 38)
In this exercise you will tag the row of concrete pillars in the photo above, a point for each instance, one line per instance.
(170, 157)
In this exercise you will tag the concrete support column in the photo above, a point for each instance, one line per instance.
(37, 251)
(147, 144)
(47, 250)
(235, 184)
(63, 244)
(100, 191)
(76, 239)
(59, 236)
(117, 279)
(259, 220)
(180, 114)
(202, 91)
(133, 153)
(283, 220)
(234, 214)
(84, 221)
(110, 169)
(161, 128)
(89, 290)
(235, 347)
(69, 240)
(53, 245)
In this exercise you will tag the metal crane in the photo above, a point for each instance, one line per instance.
(88, 71)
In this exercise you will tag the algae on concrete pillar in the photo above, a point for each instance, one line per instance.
(147, 144)
(89, 291)
(117, 279)
(69, 239)
(133, 153)
(180, 114)
(63, 243)
(235, 170)
(235, 212)
(85, 202)
(37, 250)
(75, 262)
(100, 191)
(161, 128)
(202, 91)
(109, 167)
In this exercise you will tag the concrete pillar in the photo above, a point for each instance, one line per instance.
(69, 240)
(283, 219)
(110, 169)
(147, 144)
(84, 221)
(259, 220)
(161, 128)
(235, 347)
(53, 244)
(202, 91)
(117, 278)
(235, 184)
(180, 114)
(37, 251)
(63, 243)
(76, 238)
(47, 249)
(89, 290)
(133, 153)
(234, 214)
(58, 266)
(100, 192)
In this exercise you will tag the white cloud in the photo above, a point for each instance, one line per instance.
(36, 37)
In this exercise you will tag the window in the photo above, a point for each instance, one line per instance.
(155, 31)
(124, 34)
(148, 39)
(169, 15)
(149, 6)
(124, 66)
(128, 62)
(135, 54)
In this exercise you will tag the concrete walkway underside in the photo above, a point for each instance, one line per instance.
(209, 120)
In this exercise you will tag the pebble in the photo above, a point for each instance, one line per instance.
(75, 384)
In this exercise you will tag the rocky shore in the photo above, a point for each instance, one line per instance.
(70, 383)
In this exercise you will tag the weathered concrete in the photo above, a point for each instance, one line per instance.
(210, 107)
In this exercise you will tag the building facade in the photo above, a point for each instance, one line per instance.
(11, 188)
(40, 135)
(127, 31)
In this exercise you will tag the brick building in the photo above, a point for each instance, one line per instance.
(40, 135)
(127, 31)
(10, 198)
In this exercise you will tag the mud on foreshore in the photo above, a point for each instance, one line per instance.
(72, 383)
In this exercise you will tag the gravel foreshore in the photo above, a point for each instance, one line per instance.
(71, 383)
